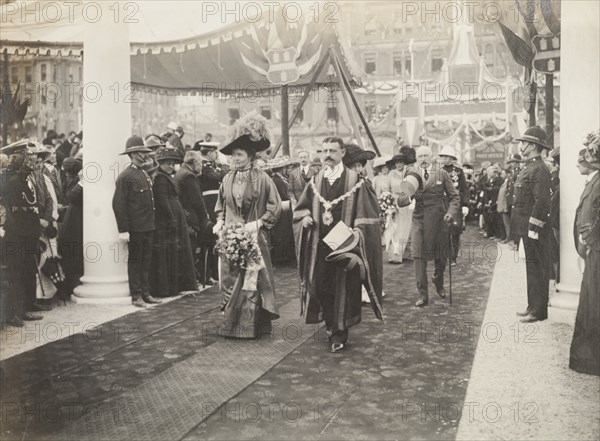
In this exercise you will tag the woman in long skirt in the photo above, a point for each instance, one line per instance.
(397, 235)
(172, 260)
(585, 347)
(248, 197)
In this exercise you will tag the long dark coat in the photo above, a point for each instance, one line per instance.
(172, 260)
(436, 197)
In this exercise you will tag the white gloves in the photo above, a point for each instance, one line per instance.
(124, 236)
(217, 228)
(533, 235)
(44, 223)
(465, 211)
(253, 226)
(307, 222)
(1, 232)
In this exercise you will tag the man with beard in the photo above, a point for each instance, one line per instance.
(133, 205)
(330, 290)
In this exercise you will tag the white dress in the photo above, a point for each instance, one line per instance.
(397, 235)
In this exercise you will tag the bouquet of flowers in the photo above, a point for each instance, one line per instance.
(238, 245)
(388, 208)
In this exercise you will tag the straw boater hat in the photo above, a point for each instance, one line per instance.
(279, 163)
(250, 132)
(536, 135)
(168, 153)
(355, 154)
(447, 150)
(135, 144)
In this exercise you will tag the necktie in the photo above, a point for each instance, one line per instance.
(426, 174)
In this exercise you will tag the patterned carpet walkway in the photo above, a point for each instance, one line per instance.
(168, 378)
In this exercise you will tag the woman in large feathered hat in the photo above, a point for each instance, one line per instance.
(248, 200)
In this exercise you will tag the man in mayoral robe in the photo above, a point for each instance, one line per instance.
(331, 287)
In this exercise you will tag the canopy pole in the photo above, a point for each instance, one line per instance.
(360, 114)
(285, 128)
(549, 92)
(5, 99)
(302, 101)
(338, 72)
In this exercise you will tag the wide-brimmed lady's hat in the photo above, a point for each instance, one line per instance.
(380, 162)
(168, 153)
(250, 133)
(135, 144)
(406, 155)
(355, 154)
(536, 135)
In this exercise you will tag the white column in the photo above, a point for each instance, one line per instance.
(580, 114)
(106, 127)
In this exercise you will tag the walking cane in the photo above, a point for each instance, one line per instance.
(450, 252)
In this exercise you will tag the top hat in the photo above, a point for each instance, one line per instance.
(135, 144)
(355, 154)
(168, 153)
(515, 157)
(206, 145)
(250, 132)
(536, 135)
(447, 150)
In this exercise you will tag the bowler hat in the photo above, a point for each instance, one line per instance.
(536, 135)
(355, 154)
(135, 144)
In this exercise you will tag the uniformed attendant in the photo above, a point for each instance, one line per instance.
(514, 167)
(133, 205)
(447, 157)
(22, 227)
(530, 215)
(210, 182)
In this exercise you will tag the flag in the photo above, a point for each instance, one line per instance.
(520, 48)
(551, 13)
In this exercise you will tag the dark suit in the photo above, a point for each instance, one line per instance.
(530, 213)
(460, 183)
(298, 181)
(429, 235)
(133, 205)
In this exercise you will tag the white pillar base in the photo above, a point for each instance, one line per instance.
(566, 297)
(102, 290)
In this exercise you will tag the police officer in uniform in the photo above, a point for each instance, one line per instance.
(529, 221)
(210, 182)
(447, 157)
(22, 230)
(133, 205)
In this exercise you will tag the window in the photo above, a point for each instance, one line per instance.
(80, 74)
(407, 66)
(28, 74)
(370, 64)
(397, 63)
(234, 115)
(43, 72)
(265, 111)
(332, 113)
(14, 74)
(436, 64)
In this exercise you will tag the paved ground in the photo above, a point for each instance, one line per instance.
(164, 372)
